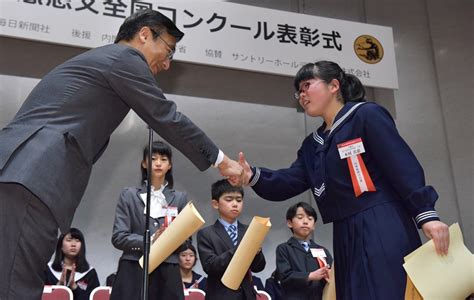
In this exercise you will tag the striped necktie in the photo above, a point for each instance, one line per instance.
(232, 231)
(305, 245)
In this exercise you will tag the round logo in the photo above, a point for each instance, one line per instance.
(368, 49)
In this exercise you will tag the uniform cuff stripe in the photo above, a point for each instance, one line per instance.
(426, 215)
(255, 178)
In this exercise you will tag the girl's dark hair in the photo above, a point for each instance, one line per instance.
(160, 148)
(308, 209)
(150, 18)
(351, 88)
(81, 263)
(187, 245)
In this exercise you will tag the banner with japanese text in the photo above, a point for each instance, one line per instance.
(217, 33)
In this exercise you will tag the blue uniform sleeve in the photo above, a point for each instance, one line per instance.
(398, 163)
(281, 184)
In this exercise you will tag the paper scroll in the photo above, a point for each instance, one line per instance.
(186, 223)
(411, 293)
(442, 277)
(245, 253)
(329, 291)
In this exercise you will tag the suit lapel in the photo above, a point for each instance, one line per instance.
(241, 231)
(294, 243)
(169, 196)
(223, 235)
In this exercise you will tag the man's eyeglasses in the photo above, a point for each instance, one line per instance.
(171, 50)
(304, 88)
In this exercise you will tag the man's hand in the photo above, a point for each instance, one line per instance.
(439, 233)
(247, 171)
(231, 170)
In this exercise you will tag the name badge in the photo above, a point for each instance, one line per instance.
(351, 148)
(169, 211)
(318, 252)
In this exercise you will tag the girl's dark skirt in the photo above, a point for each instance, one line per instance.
(164, 282)
(369, 248)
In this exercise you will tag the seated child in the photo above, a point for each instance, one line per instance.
(70, 267)
(187, 260)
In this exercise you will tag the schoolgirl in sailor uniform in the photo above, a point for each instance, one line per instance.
(166, 203)
(365, 180)
(70, 267)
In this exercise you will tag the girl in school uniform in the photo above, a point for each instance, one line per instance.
(187, 260)
(364, 178)
(166, 203)
(70, 267)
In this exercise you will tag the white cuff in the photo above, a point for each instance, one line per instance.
(220, 158)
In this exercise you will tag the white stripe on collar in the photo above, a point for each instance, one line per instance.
(77, 275)
(347, 114)
(318, 138)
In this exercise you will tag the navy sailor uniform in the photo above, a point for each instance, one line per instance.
(373, 232)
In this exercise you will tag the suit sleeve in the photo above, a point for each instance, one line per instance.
(212, 263)
(289, 278)
(132, 80)
(398, 163)
(122, 236)
(282, 184)
(258, 263)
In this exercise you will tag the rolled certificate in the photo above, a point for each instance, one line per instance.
(329, 291)
(246, 251)
(186, 223)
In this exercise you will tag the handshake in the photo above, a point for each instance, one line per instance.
(238, 173)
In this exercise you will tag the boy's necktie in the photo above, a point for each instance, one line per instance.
(232, 231)
(305, 245)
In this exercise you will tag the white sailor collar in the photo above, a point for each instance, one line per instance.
(341, 116)
(77, 275)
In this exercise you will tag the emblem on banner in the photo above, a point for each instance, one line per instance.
(368, 49)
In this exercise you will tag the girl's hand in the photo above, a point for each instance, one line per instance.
(157, 234)
(62, 279)
(439, 233)
(72, 283)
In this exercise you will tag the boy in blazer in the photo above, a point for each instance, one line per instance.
(217, 244)
(302, 265)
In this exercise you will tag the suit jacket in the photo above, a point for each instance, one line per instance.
(216, 251)
(129, 221)
(294, 265)
(65, 123)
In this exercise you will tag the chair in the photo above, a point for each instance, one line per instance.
(101, 293)
(262, 295)
(194, 294)
(56, 292)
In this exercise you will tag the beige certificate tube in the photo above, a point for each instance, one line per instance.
(246, 251)
(186, 223)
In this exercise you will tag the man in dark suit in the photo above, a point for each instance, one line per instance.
(48, 149)
(217, 244)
